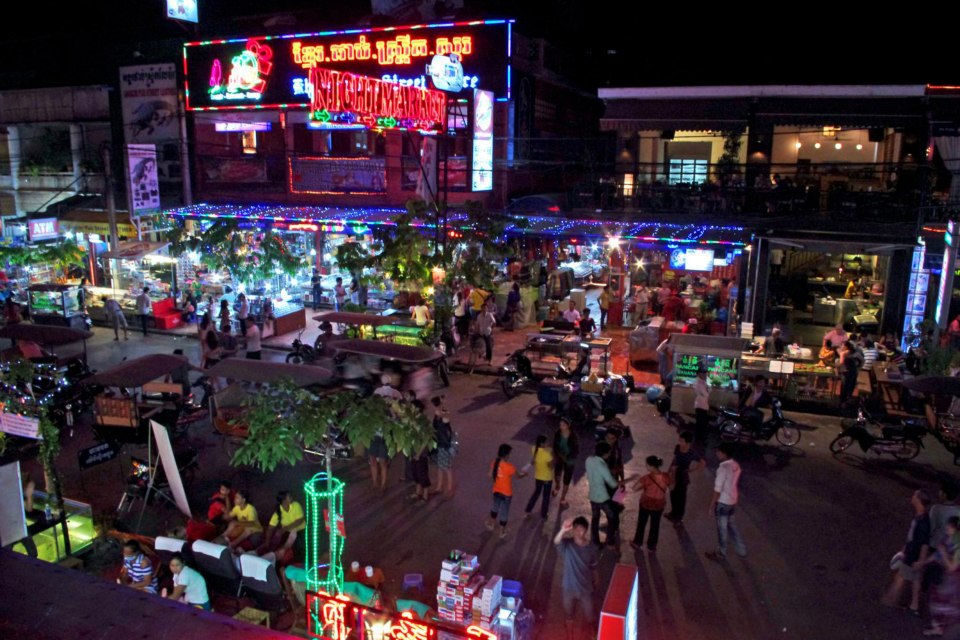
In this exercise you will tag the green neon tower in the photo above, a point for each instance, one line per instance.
(324, 492)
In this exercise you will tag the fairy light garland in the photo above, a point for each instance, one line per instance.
(25, 402)
(324, 495)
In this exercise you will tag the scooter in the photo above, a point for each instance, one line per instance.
(902, 441)
(517, 374)
(442, 366)
(735, 426)
(301, 353)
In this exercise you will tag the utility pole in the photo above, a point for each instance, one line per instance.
(111, 211)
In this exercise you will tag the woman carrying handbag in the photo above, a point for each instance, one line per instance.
(653, 499)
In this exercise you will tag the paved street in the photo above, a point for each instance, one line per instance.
(819, 531)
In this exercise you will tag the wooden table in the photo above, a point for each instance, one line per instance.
(889, 384)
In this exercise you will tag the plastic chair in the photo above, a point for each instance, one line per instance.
(413, 581)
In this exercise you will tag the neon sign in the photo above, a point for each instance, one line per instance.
(337, 618)
(423, 55)
(248, 74)
(387, 103)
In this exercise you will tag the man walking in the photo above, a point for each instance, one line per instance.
(580, 576)
(915, 551)
(701, 403)
(243, 313)
(602, 483)
(485, 324)
(143, 308)
(685, 460)
(724, 501)
(315, 289)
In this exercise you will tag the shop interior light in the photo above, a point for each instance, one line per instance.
(838, 146)
(799, 144)
(816, 145)
(859, 147)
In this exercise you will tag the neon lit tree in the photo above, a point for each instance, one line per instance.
(324, 494)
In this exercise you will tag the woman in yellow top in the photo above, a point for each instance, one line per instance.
(543, 475)
(243, 519)
(285, 525)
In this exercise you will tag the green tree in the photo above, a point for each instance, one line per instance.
(728, 165)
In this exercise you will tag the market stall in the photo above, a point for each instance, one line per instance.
(795, 379)
(56, 304)
(45, 532)
(720, 355)
(133, 266)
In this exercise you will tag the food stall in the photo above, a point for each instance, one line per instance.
(55, 304)
(795, 378)
(46, 533)
(138, 265)
(721, 356)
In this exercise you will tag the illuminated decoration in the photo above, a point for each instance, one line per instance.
(332, 617)
(634, 233)
(248, 74)
(354, 97)
(236, 127)
(324, 493)
(400, 55)
(482, 170)
(184, 10)
(446, 72)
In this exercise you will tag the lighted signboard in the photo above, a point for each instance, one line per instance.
(234, 127)
(337, 618)
(142, 167)
(274, 71)
(916, 294)
(43, 229)
(482, 170)
(692, 259)
(148, 97)
(946, 276)
(185, 10)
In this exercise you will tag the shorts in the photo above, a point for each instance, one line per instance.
(565, 471)
(909, 573)
(444, 458)
(501, 507)
(570, 601)
(420, 468)
(378, 448)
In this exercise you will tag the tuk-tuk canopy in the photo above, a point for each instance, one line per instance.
(388, 351)
(269, 372)
(44, 335)
(136, 373)
(353, 318)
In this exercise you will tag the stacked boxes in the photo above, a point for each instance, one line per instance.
(459, 582)
(486, 608)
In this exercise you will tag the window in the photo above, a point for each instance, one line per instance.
(249, 141)
(686, 171)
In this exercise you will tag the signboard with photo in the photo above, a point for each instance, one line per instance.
(148, 98)
(142, 173)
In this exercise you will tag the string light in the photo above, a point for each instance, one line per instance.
(324, 496)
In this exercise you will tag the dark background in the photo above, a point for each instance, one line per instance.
(599, 44)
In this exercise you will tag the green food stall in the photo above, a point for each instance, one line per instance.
(720, 355)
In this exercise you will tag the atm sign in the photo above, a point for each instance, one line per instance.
(43, 229)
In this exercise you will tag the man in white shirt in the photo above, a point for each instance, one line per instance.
(701, 403)
(243, 313)
(571, 314)
(485, 323)
(340, 294)
(188, 584)
(143, 308)
(252, 336)
(722, 504)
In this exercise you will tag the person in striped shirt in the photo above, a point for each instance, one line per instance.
(137, 571)
(870, 354)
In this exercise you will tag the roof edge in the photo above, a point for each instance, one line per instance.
(765, 91)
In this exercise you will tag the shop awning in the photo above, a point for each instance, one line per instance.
(134, 250)
(96, 221)
(136, 373)
(269, 372)
(44, 335)
(353, 318)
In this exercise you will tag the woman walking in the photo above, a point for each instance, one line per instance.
(224, 316)
(502, 473)
(945, 596)
(543, 476)
(204, 327)
(566, 448)
(445, 451)
(653, 487)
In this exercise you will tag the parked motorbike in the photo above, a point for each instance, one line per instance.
(517, 374)
(902, 441)
(301, 353)
(736, 426)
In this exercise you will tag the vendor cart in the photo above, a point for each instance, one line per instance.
(56, 304)
(721, 357)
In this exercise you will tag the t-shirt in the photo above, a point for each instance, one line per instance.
(571, 315)
(340, 292)
(542, 464)
(869, 357)
(477, 298)
(143, 304)
(196, 586)
(578, 565)
(421, 314)
(681, 464)
(247, 514)
(939, 514)
(288, 517)
(599, 479)
(654, 487)
(702, 397)
(253, 338)
(917, 537)
(504, 482)
(587, 325)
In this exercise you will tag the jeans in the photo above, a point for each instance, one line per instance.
(143, 322)
(849, 385)
(654, 537)
(243, 326)
(612, 510)
(501, 508)
(603, 317)
(703, 424)
(726, 527)
(570, 601)
(488, 342)
(317, 292)
(543, 487)
(678, 501)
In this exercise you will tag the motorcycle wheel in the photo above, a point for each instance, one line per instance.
(841, 443)
(788, 434)
(294, 358)
(508, 389)
(909, 449)
(729, 431)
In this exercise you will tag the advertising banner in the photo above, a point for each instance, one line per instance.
(184, 10)
(338, 175)
(17, 425)
(148, 99)
(482, 170)
(142, 173)
(251, 73)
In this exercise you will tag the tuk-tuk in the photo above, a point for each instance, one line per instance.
(360, 363)
(354, 322)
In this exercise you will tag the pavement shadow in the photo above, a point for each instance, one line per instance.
(484, 401)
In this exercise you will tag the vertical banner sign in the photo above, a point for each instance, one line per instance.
(427, 179)
(945, 294)
(482, 173)
(170, 469)
(148, 97)
(916, 294)
(142, 174)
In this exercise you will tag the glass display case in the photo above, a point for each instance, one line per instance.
(55, 304)
(720, 355)
(47, 535)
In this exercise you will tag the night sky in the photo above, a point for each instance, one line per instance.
(642, 44)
